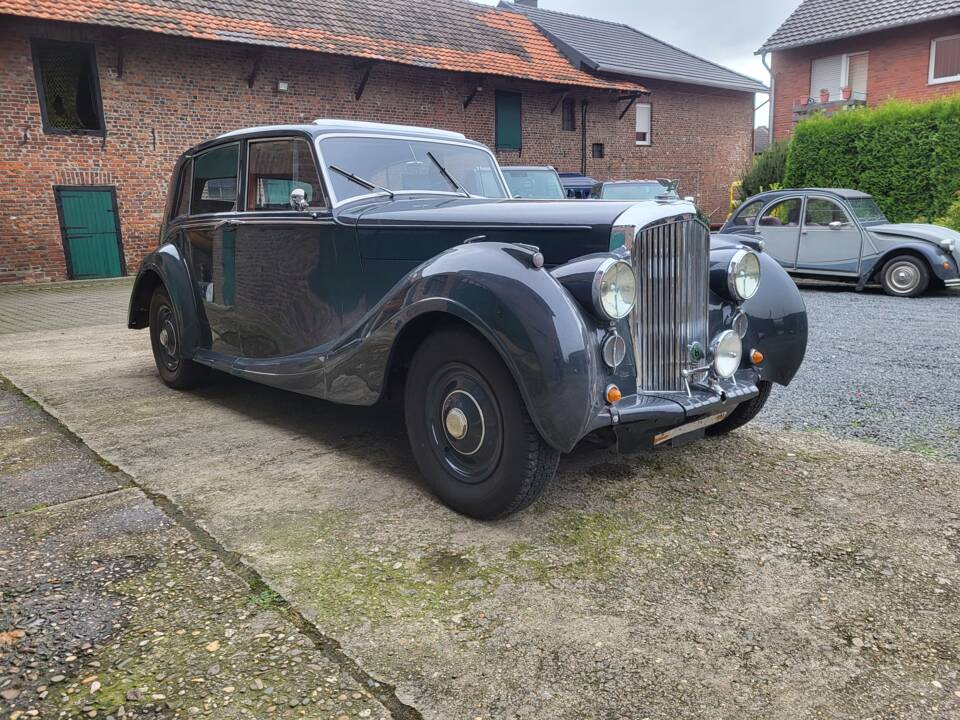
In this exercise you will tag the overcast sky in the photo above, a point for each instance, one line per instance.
(727, 32)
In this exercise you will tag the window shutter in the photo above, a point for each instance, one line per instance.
(827, 73)
(644, 121)
(509, 129)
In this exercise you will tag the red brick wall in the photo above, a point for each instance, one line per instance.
(898, 67)
(176, 92)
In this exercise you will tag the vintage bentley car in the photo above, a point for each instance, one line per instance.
(843, 235)
(353, 262)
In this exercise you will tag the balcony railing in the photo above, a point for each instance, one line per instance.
(805, 107)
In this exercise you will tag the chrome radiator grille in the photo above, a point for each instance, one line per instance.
(672, 264)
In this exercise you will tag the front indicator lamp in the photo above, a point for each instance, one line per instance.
(613, 394)
(726, 351)
(743, 275)
(614, 289)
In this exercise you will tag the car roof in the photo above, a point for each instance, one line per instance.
(321, 127)
(845, 193)
(527, 167)
(629, 182)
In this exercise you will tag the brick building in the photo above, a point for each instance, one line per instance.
(99, 98)
(862, 52)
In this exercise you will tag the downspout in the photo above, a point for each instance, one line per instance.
(763, 59)
(583, 137)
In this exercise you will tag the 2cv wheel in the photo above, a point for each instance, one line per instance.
(469, 429)
(905, 276)
(175, 370)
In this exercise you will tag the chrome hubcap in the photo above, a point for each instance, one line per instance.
(167, 339)
(903, 277)
(456, 424)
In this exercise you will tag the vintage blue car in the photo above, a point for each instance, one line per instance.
(843, 235)
(355, 262)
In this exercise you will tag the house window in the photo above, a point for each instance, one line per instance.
(596, 150)
(569, 114)
(837, 72)
(67, 87)
(508, 130)
(945, 60)
(644, 118)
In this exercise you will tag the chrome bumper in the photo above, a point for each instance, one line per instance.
(954, 283)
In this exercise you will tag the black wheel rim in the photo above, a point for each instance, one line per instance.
(464, 423)
(168, 342)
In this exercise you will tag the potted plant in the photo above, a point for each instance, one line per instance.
(847, 92)
(824, 96)
(803, 100)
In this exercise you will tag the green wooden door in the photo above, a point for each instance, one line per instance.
(90, 233)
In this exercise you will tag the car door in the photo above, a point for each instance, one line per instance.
(208, 239)
(779, 226)
(293, 266)
(830, 240)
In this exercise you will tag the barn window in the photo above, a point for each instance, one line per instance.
(509, 129)
(596, 150)
(569, 110)
(68, 87)
(644, 113)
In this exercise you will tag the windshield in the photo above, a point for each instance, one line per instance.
(632, 191)
(867, 210)
(402, 165)
(536, 184)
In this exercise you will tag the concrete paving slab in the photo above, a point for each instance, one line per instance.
(763, 575)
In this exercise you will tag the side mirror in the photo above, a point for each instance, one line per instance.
(298, 200)
(836, 225)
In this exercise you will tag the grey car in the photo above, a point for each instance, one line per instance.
(534, 182)
(843, 235)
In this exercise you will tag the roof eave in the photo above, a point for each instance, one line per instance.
(758, 88)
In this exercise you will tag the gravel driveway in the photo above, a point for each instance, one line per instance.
(878, 369)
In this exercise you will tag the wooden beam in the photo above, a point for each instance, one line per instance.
(120, 48)
(563, 96)
(358, 93)
(629, 105)
(477, 87)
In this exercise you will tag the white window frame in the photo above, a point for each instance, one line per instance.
(931, 80)
(649, 140)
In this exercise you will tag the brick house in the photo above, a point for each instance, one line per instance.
(861, 52)
(98, 99)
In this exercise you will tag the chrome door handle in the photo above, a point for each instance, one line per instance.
(226, 223)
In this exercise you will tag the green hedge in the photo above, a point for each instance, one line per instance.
(906, 155)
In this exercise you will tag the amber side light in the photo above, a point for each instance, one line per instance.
(614, 394)
(756, 357)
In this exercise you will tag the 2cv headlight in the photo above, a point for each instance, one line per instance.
(743, 275)
(614, 289)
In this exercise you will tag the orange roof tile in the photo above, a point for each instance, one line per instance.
(454, 35)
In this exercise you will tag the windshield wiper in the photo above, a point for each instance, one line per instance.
(447, 175)
(360, 181)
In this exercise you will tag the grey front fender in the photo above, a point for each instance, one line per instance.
(534, 324)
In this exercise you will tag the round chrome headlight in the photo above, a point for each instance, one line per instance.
(614, 289)
(743, 275)
(727, 352)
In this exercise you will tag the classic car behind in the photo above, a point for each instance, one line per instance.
(843, 235)
(533, 183)
(354, 262)
(576, 185)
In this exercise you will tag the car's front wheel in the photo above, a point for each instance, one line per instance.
(469, 429)
(905, 276)
(166, 337)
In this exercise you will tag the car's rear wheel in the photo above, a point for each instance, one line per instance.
(905, 276)
(744, 412)
(166, 338)
(469, 429)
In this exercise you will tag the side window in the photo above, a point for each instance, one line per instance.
(275, 168)
(569, 110)
(215, 181)
(821, 212)
(785, 213)
(747, 216)
(644, 123)
(68, 86)
(182, 206)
